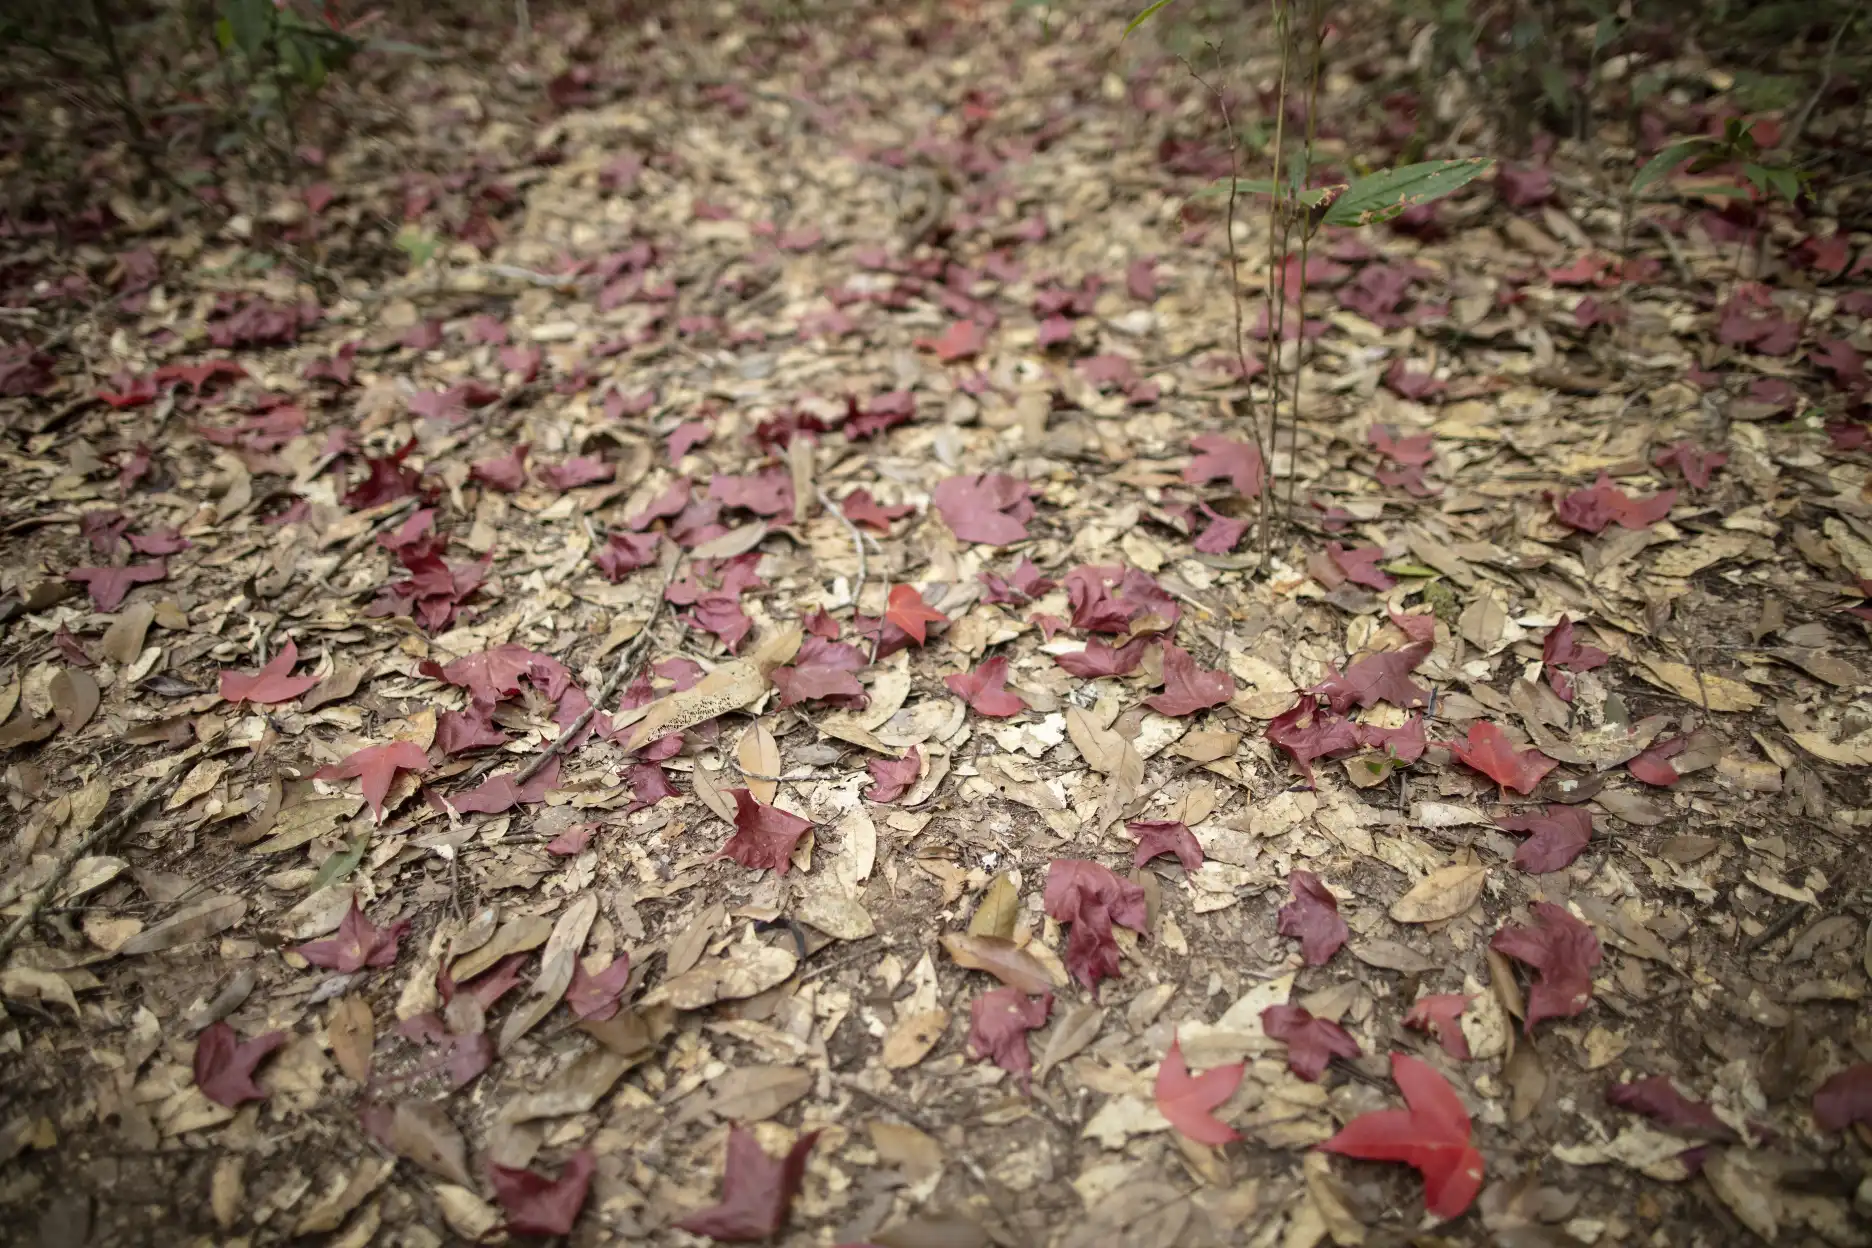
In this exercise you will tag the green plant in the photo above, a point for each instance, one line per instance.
(1701, 153)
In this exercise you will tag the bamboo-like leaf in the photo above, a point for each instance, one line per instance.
(1389, 192)
(1660, 165)
(1145, 16)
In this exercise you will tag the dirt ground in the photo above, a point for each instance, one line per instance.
(528, 291)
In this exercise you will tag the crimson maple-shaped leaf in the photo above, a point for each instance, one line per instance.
(1658, 1099)
(1360, 565)
(1417, 627)
(1313, 918)
(983, 689)
(457, 731)
(1413, 451)
(1438, 1014)
(1157, 837)
(1312, 1042)
(1308, 731)
(577, 471)
(1563, 951)
(756, 1190)
(649, 785)
(1490, 752)
(1026, 584)
(1560, 834)
(961, 341)
(1381, 677)
(1091, 898)
(815, 683)
(992, 509)
(764, 835)
(1654, 767)
(891, 778)
(537, 1205)
(358, 944)
(375, 767)
(1188, 1101)
(767, 494)
(1099, 659)
(224, 1064)
(1217, 456)
(1222, 534)
(1432, 1135)
(1693, 461)
(595, 997)
(495, 674)
(1560, 649)
(1188, 688)
(1844, 1099)
(1602, 503)
(1108, 598)
(270, 684)
(860, 508)
(998, 1025)
(1405, 743)
(505, 472)
(721, 614)
(109, 585)
(159, 542)
(908, 611)
(498, 793)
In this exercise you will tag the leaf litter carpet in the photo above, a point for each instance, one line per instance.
(740, 700)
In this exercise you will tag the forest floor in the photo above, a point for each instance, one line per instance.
(849, 415)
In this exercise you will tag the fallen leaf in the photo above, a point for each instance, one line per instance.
(908, 611)
(1188, 688)
(109, 585)
(891, 778)
(764, 835)
(353, 1034)
(998, 1025)
(1490, 752)
(759, 754)
(1188, 1101)
(1442, 894)
(993, 509)
(422, 1133)
(224, 1065)
(1003, 959)
(1658, 1099)
(1432, 1135)
(272, 683)
(376, 766)
(1560, 834)
(74, 697)
(357, 945)
(756, 1190)
(1844, 1099)
(1217, 456)
(1313, 918)
(984, 690)
(910, 1041)
(1166, 836)
(1311, 1042)
(1563, 951)
(536, 1205)
(1091, 898)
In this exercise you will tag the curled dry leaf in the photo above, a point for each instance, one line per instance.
(1442, 894)
(1003, 959)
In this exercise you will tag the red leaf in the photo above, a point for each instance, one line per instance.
(768, 493)
(1312, 917)
(1437, 1014)
(492, 675)
(983, 690)
(1360, 565)
(891, 778)
(376, 766)
(507, 473)
(1312, 1042)
(1844, 1099)
(358, 944)
(998, 1025)
(1092, 898)
(109, 585)
(1413, 451)
(459, 731)
(649, 785)
(1406, 744)
(1561, 834)
(1099, 659)
(1658, 1099)
(574, 472)
(756, 1190)
(764, 835)
(992, 509)
(961, 341)
(498, 793)
(1653, 766)
(1418, 628)
(270, 684)
(224, 1065)
(160, 542)
(1188, 688)
(1490, 752)
(1524, 187)
(595, 997)
(1157, 837)
(721, 614)
(1025, 585)
(1107, 598)
(573, 841)
(1218, 456)
(1602, 503)
(908, 611)
(1413, 385)
(1381, 677)
(1432, 1135)
(860, 508)
(1222, 534)
(1187, 1102)
(1694, 462)
(811, 683)
(1310, 731)
(1563, 950)
(1559, 649)
(536, 1205)
(623, 553)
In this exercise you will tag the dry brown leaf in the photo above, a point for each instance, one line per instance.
(123, 640)
(518, 935)
(1442, 894)
(1003, 959)
(338, 686)
(743, 971)
(728, 688)
(752, 1093)
(421, 1132)
(74, 698)
(999, 908)
(574, 1089)
(353, 1034)
(1722, 694)
(556, 963)
(759, 757)
(910, 1041)
(708, 787)
(1077, 1028)
(687, 949)
(198, 921)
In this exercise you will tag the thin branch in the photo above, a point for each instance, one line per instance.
(1805, 115)
(103, 833)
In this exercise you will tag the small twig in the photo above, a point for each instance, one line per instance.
(1670, 245)
(1775, 930)
(857, 540)
(350, 548)
(1805, 115)
(128, 815)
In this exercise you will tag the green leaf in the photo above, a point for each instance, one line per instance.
(1786, 183)
(251, 21)
(1387, 193)
(1665, 162)
(1406, 568)
(1143, 17)
(1259, 186)
(342, 863)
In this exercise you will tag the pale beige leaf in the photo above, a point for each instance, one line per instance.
(728, 688)
(1003, 959)
(1077, 1028)
(123, 640)
(518, 935)
(196, 922)
(910, 1041)
(1443, 894)
(308, 821)
(835, 914)
(338, 686)
(353, 1034)
(1723, 694)
(74, 698)
(756, 1093)
(201, 778)
(421, 1132)
(734, 542)
(562, 947)
(999, 908)
(857, 848)
(744, 971)
(759, 757)
(575, 1089)
(708, 787)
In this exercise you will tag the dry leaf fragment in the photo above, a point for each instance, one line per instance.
(423, 1134)
(74, 698)
(745, 970)
(353, 1033)
(1003, 959)
(759, 757)
(999, 908)
(1719, 692)
(1443, 894)
(910, 1041)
